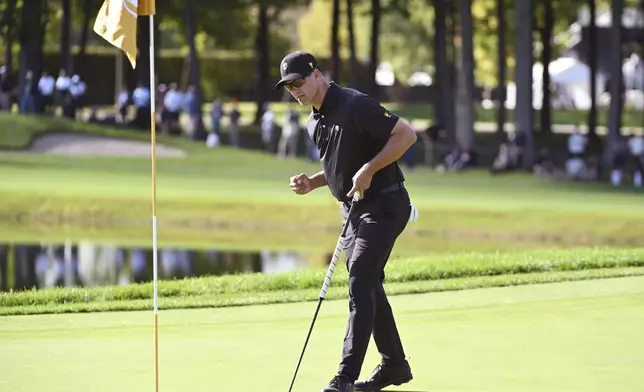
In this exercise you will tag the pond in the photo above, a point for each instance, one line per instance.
(25, 266)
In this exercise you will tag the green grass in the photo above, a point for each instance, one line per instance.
(213, 197)
(574, 337)
(421, 115)
(406, 275)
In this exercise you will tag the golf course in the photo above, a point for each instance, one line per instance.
(505, 283)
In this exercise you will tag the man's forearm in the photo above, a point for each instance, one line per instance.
(396, 146)
(318, 179)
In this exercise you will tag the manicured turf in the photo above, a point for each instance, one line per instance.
(573, 337)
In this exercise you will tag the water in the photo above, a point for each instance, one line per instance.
(34, 266)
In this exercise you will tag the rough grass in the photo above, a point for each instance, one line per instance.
(409, 275)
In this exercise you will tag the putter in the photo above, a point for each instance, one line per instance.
(327, 282)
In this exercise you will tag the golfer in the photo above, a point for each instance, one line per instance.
(359, 142)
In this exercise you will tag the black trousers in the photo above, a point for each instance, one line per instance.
(372, 232)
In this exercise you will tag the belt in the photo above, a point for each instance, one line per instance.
(392, 188)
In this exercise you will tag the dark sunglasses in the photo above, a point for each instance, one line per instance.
(297, 83)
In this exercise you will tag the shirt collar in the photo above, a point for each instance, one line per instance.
(330, 99)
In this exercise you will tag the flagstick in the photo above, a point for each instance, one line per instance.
(154, 199)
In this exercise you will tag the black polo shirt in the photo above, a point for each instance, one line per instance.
(349, 130)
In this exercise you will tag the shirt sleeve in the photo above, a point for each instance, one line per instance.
(372, 118)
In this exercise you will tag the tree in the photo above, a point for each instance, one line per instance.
(9, 33)
(442, 69)
(195, 72)
(373, 49)
(465, 78)
(523, 76)
(592, 60)
(353, 62)
(335, 42)
(616, 82)
(262, 60)
(65, 37)
(501, 59)
(546, 57)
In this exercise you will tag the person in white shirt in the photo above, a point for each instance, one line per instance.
(141, 100)
(46, 86)
(77, 90)
(577, 143)
(122, 103)
(268, 126)
(636, 150)
(62, 86)
(172, 103)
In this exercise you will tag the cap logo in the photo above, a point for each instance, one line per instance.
(311, 65)
(284, 66)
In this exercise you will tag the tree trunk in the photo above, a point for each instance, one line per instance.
(65, 37)
(263, 67)
(523, 76)
(465, 78)
(450, 110)
(441, 75)
(84, 37)
(616, 82)
(9, 17)
(32, 37)
(373, 52)
(502, 75)
(353, 62)
(546, 57)
(592, 61)
(195, 70)
(335, 42)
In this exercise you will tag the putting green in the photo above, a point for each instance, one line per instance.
(581, 336)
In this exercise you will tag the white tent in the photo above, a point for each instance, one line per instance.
(572, 78)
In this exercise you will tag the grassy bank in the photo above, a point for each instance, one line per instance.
(423, 274)
(212, 197)
(575, 336)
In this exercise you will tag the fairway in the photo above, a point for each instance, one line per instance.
(580, 336)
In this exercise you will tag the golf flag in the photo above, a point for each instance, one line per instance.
(117, 20)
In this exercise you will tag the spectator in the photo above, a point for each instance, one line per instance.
(62, 86)
(636, 152)
(192, 108)
(216, 113)
(6, 88)
(141, 99)
(233, 129)
(28, 94)
(268, 126)
(122, 103)
(290, 133)
(77, 91)
(577, 144)
(172, 103)
(46, 86)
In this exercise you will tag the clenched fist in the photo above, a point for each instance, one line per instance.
(301, 184)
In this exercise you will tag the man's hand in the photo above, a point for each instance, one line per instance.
(361, 181)
(301, 184)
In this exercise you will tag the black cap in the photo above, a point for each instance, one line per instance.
(296, 65)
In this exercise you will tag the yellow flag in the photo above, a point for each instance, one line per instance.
(116, 22)
(147, 7)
